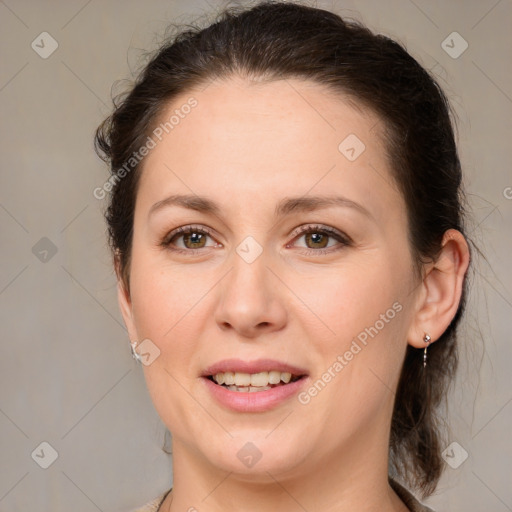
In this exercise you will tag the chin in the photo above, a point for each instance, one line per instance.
(255, 454)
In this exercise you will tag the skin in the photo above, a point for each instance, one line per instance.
(247, 146)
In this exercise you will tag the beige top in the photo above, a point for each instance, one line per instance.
(152, 506)
(411, 502)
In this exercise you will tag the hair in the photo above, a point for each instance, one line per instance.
(277, 40)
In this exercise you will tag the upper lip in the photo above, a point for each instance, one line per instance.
(257, 366)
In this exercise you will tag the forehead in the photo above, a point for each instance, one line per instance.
(284, 137)
(244, 113)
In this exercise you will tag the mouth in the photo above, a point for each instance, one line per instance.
(253, 386)
(254, 382)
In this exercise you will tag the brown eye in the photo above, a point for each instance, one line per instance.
(188, 239)
(317, 240)
(321, 240)
(195, 239)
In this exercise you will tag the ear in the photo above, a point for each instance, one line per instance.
(125, 305)
(441, 290)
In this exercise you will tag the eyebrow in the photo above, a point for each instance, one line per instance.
(285, 207)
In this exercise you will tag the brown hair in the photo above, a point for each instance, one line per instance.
(274, 40)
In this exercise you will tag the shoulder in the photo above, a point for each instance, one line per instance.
(410, 501)
(153, 505)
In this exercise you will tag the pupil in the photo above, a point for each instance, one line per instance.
(317, 238)
(194, 238)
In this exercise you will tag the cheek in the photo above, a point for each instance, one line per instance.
(170, 308)
(358, 363)
(154, 302)
(352, 298)
(163, 296)
(363, 306)
(166, 305)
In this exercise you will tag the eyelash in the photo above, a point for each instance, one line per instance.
(324, 230)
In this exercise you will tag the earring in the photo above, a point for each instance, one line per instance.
(426, 339)
(134, 354)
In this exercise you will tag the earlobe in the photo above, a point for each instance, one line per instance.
(442, 289)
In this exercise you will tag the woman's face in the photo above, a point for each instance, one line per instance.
(297, 261)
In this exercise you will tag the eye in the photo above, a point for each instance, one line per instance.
(192, 238)
(318, 239)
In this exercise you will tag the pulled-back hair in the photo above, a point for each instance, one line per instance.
(277, 40)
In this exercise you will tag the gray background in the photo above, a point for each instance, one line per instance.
(67, 376)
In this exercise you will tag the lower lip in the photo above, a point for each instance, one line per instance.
(255, 401)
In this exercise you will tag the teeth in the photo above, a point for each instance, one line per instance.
(229, 378)
(259, 379)
(286, 377)
(252, 389)
(248, 389)
(255, 380)
(243, 379)
(274, 377)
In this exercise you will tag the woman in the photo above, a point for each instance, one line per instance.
(285, 218)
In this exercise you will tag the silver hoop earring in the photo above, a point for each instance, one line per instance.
(134, 354)
(426, 339)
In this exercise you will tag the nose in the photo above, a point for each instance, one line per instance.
(250, 302)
